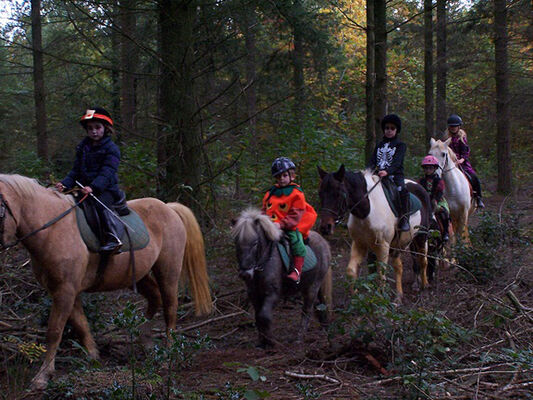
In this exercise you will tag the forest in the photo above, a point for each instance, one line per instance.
(204, 96)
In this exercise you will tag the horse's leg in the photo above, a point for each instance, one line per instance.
(168, 286)
(357, 254)
(396, 262)
(309, 300)
(149, 289)
(263, 319)
(78, 320)
(63, 299)
(382, 258)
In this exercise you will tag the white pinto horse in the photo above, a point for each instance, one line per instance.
(457, 192)
(372, 224)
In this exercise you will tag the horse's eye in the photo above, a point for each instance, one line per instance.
(443, 154)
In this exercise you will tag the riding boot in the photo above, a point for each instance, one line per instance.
(445, 219)
(476, 185)
(113, 230)
(403, 223)
(295, 274)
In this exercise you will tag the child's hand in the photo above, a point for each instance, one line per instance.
(461, 160)
(87, 190)
(59, 186)
(382, 173)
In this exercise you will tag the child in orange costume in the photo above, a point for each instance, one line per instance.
(285, 204)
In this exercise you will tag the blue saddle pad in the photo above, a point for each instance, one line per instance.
(414, 202)
(310, 260)
(140, 238)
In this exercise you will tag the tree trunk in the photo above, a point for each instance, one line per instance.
(502, 97)
(38, 81)
(370, 142)
(298, 68)
(428, 70)
(177, 100)
(250, 21)
(128, 63)
(441, 113)
(115, 74)
(380, 23)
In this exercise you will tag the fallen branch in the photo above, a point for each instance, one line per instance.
(208, 321)
(307, 376)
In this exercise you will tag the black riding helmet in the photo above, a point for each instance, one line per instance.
(392, 119)
(96, 114)
(454, 120)
(280, 165)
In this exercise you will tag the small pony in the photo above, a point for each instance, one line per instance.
(458, 191)
(64, 266)
(261, 267)
(371, 222)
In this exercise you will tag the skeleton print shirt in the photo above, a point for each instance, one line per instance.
(388, 156)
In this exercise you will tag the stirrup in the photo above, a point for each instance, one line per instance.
(112, 246)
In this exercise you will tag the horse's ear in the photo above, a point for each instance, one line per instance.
(339, 175)
(432, 142)
(447, 142)
(321, 172)
(233, 222)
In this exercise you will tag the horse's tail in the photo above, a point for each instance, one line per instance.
(327, 288)
(194, 260)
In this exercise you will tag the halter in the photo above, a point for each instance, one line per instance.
(5, 206)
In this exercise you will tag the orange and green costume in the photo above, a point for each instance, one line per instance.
(287, 206)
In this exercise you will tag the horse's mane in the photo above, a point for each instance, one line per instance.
(29, 187)
(26, 187)
(246, 226)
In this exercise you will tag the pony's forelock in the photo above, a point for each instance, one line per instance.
(245, 229)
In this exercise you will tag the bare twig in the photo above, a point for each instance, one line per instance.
(208, 321)
(317, 376)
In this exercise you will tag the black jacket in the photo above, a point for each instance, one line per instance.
(96, 166)
(388, 156)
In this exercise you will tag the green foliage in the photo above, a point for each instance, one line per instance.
(491, 241)
(416, 338)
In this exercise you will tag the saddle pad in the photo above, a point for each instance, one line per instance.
(310, 260)
(414, 202)
(140, 238)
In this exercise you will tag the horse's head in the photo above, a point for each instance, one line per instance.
(442, 152)
(332, 196)
(253, 233)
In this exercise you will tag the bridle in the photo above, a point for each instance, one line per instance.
(342, 207)
(447, 162)
(4, 206)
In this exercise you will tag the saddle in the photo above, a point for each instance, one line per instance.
(310, 260)
(91, 232)
(392, 196)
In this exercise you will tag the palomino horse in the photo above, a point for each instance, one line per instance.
(65, 267)
(371, 223)
(457, 190)
(261, 267)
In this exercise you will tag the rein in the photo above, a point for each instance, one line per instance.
(446, 162)
(5, 206)
(366, 195)
(264, 259)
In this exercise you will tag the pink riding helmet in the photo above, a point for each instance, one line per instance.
(430, 160)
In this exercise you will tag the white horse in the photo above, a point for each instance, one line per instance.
(457, 192)
(372, 224)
